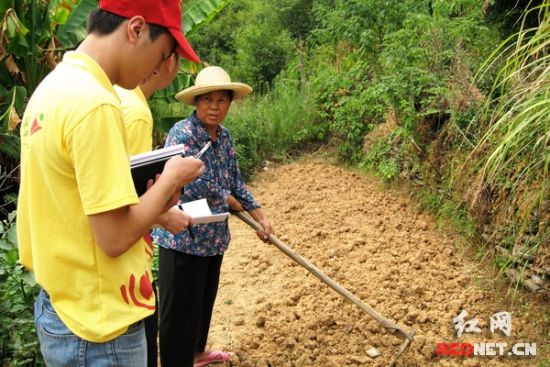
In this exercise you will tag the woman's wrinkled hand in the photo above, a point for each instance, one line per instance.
(260, 217)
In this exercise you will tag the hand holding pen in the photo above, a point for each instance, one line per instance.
(204, 149)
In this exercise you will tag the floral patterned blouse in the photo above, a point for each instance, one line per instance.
(221, 178)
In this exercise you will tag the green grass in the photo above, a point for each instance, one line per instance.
(273, 126)
(447, 212)
(514, 147)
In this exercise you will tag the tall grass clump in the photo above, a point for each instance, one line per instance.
(273, 125)
(516, 144)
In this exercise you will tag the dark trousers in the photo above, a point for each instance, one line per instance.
(188, 286)
(151, 333)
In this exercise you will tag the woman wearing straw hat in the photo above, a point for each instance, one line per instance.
(190, 261)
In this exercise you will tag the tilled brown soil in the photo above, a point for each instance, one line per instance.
(373, 241)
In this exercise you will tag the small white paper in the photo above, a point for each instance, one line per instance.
(210, 218)
(200, 212)
(197, 208)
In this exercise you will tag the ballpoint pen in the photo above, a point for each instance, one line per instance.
(204, 149)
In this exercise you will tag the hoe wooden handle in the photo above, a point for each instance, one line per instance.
(388, 324)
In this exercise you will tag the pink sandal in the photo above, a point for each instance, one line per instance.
(216, 356)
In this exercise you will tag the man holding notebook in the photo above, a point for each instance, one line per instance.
(80, 224)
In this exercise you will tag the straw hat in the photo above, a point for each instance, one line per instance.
(210, 79)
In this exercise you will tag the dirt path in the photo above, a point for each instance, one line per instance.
(374, 242)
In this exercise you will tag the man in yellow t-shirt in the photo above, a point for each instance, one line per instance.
(137, 119)
(139, 129)
(80, 223)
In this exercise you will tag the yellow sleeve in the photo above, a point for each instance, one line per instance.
(139, 133)
(97, 149)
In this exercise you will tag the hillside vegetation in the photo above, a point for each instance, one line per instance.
(450, 97)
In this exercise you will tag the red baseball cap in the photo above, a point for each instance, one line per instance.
(166, 13)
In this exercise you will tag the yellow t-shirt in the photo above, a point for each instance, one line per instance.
(137, 118)
(74, 163)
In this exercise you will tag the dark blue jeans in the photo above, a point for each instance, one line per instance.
(60, 347)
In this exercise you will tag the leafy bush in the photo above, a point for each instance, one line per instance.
(382, 159)
(406, 57)
(216, 43)
(263, 52)
(295, 16)
(447, 211)
(19, 343)
(254, 52)
(270, 126)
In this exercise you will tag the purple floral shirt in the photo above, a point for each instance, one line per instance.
(221, 178)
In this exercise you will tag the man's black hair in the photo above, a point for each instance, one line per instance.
(103, 23)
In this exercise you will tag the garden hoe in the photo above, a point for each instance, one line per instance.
(388, 324)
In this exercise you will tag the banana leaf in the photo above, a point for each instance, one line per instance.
(73, 31)
(201, 13)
